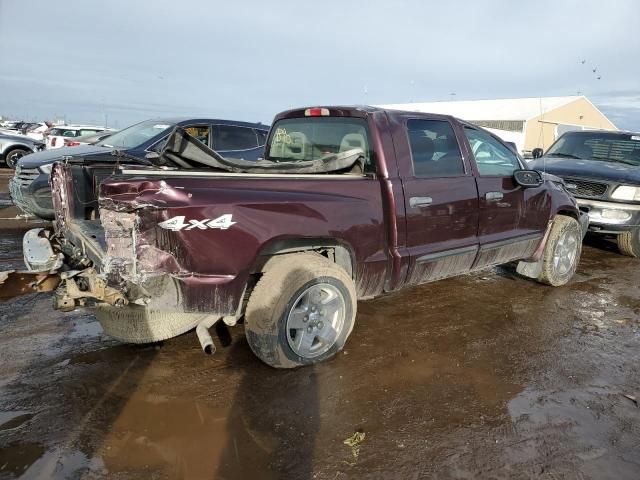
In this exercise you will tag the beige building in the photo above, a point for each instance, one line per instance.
(528, 122)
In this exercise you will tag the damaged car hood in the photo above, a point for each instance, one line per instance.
(45, 157)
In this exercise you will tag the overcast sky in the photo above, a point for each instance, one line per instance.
(128, 60)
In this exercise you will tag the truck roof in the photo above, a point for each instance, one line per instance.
(361, 111)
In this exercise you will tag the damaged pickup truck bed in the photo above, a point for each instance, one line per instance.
(349, 203)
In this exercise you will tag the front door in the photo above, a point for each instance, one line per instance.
(441, 203)
(502, 233)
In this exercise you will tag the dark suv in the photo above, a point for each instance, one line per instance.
(30, 188)
(602, 169)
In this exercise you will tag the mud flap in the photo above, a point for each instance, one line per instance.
(584, 223)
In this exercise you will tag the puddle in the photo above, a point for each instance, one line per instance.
(191, 436)
(11, 420)
(17, 458)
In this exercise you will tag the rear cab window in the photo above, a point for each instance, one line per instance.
(312, 138)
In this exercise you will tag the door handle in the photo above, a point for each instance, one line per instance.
(494, 196)
(420, 201)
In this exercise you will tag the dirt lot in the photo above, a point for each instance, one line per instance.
(483, 376)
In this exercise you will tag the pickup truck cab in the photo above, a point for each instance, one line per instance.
(602, 170)
(350, 203)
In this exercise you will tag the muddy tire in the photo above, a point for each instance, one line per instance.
(301, 311)
(629, 243)
(12, 156)
(562, 252)
(137, 324)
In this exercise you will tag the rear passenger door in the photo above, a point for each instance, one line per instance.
(441, 203)
(503, 233)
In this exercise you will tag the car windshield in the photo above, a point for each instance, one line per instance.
(137, 134)
(312, 138)
(611, 147)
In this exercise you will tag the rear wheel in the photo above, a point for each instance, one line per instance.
(12, 156)
(562, 252)
(301, 311)
(629, 243)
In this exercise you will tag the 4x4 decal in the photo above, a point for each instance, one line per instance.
(178, 223)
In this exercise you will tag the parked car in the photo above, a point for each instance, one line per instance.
(88, 139)
(37, 130)
(350, 203)
(9, 124)
(56, 136)
(14, 147)
(30, 188)
(602, 169)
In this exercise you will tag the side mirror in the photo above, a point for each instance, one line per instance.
(528, 178)
(152, 155)
(537, 152)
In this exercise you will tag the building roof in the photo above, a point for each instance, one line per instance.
(502, 109)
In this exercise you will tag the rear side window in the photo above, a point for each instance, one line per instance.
(234, 138)
(311, 138)
(63, 132)
(434, 149)
(88, 131)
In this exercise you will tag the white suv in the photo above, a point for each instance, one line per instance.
(56, 136)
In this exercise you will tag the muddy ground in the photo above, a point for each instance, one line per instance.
(482, 376)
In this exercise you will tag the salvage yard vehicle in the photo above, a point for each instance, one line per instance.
(14, 147)
(349, 203)
(56, 136)
(88, 139)
(602, 170)
(30, 189)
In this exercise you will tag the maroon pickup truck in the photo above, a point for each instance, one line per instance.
(348, 203)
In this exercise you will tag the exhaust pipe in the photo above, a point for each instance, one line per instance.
(202, 330)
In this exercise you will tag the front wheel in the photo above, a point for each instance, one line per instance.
(301, 311)
(562, 251)
(629, 243)
(12, 157)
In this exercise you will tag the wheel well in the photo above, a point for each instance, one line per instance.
(13, 148)
(17, 147)
(338, 253)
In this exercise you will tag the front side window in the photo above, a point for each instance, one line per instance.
(434, 149)
(228, 137)
(312, 138)
(201, 132)
(492, 157)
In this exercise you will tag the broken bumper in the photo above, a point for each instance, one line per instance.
(44, 262)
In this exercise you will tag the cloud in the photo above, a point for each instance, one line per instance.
(249, 60)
